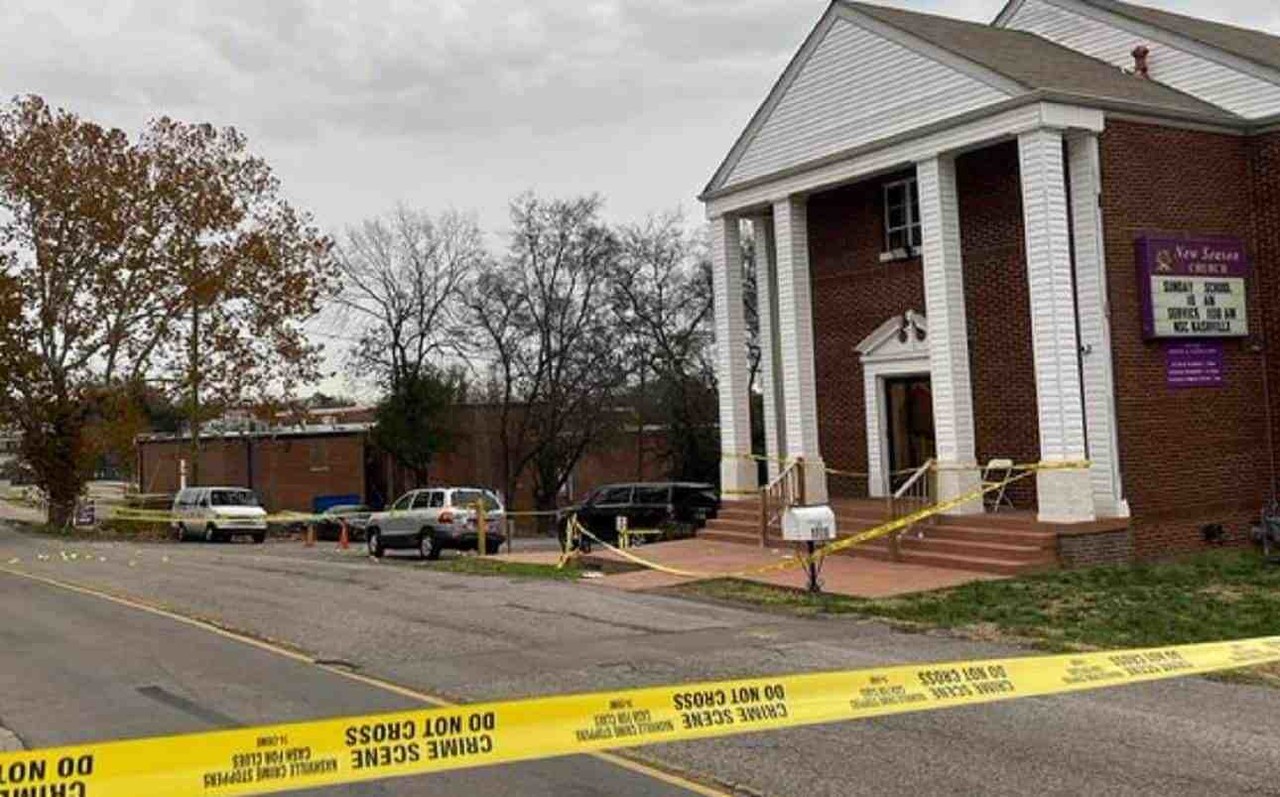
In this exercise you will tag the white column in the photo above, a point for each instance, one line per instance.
(737, 470)
(1085, 171)
(948, 332)
(795, 336)
(1064, 495)
(767, 311)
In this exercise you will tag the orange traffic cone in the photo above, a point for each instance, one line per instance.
(344, 540)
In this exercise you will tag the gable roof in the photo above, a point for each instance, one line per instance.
(1252, 45)
(1025, 65)
(1037, 63)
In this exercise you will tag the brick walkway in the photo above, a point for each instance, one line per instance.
(846, 575)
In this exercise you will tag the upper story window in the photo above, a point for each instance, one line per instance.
(901, 219)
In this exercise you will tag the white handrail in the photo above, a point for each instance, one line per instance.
(782, 474)
(915, 477)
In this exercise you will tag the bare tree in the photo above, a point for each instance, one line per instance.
(402, 277)
(550, 339)
(662, 294)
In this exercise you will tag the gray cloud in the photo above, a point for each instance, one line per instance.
(360, 103)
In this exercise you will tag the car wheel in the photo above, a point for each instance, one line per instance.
(428, 546)
(182, 531)
(374, 542)
(260, 537)
(492, 547)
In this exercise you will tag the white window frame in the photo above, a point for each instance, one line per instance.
(913, 227)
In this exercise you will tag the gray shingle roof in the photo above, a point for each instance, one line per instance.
(1252, 45)
(1037, 63)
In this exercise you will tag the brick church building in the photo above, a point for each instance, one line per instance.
(1051, 239)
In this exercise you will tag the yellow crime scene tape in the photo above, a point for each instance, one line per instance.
(166, 516)
(821, 553)
(830, 471)
(275, 758)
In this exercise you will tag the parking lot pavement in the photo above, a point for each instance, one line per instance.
(471, 638)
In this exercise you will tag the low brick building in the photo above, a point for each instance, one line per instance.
(294, 466)
(1053, 239)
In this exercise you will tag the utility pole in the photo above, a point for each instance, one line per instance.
(195, 388)
(639, 421)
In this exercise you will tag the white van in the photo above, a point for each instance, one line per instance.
(215, 514)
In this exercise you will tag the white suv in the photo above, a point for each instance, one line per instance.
(216, 513)
(436, 518)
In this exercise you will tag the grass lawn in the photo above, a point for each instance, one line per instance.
(1210, 596)
(487, 566)
(140, 532)
(477, 566)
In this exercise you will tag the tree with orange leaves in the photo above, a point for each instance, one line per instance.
(172, 258)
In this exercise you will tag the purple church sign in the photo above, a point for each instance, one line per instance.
(1193, 287)
(1194, 364)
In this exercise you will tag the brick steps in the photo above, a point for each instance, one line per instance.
(981, 564)
(1011, 544)
(959, 546)
(751, 515)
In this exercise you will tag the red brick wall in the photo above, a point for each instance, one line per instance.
(853, 293)
(998, 311)
(1189, 457)
(287, 474)
(476, 458)
(1192, 456)
(1266, 205)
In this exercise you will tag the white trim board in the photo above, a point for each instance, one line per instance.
(953, 138)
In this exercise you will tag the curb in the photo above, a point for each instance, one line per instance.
(9, 741)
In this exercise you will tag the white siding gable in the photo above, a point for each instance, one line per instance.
(856, 87)
(1210, 80)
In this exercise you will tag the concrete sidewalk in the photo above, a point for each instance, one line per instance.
(844, 575)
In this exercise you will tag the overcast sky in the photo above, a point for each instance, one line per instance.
(359, 104)
(446, 103)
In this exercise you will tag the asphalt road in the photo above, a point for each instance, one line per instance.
(471, 638)
(77, 668)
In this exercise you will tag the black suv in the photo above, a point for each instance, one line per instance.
(677, 508)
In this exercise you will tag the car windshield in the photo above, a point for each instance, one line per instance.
(469, 498)
(233, 498)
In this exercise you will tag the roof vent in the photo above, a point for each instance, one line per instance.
(1140, 66)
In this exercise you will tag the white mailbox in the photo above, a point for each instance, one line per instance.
(809, 524)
